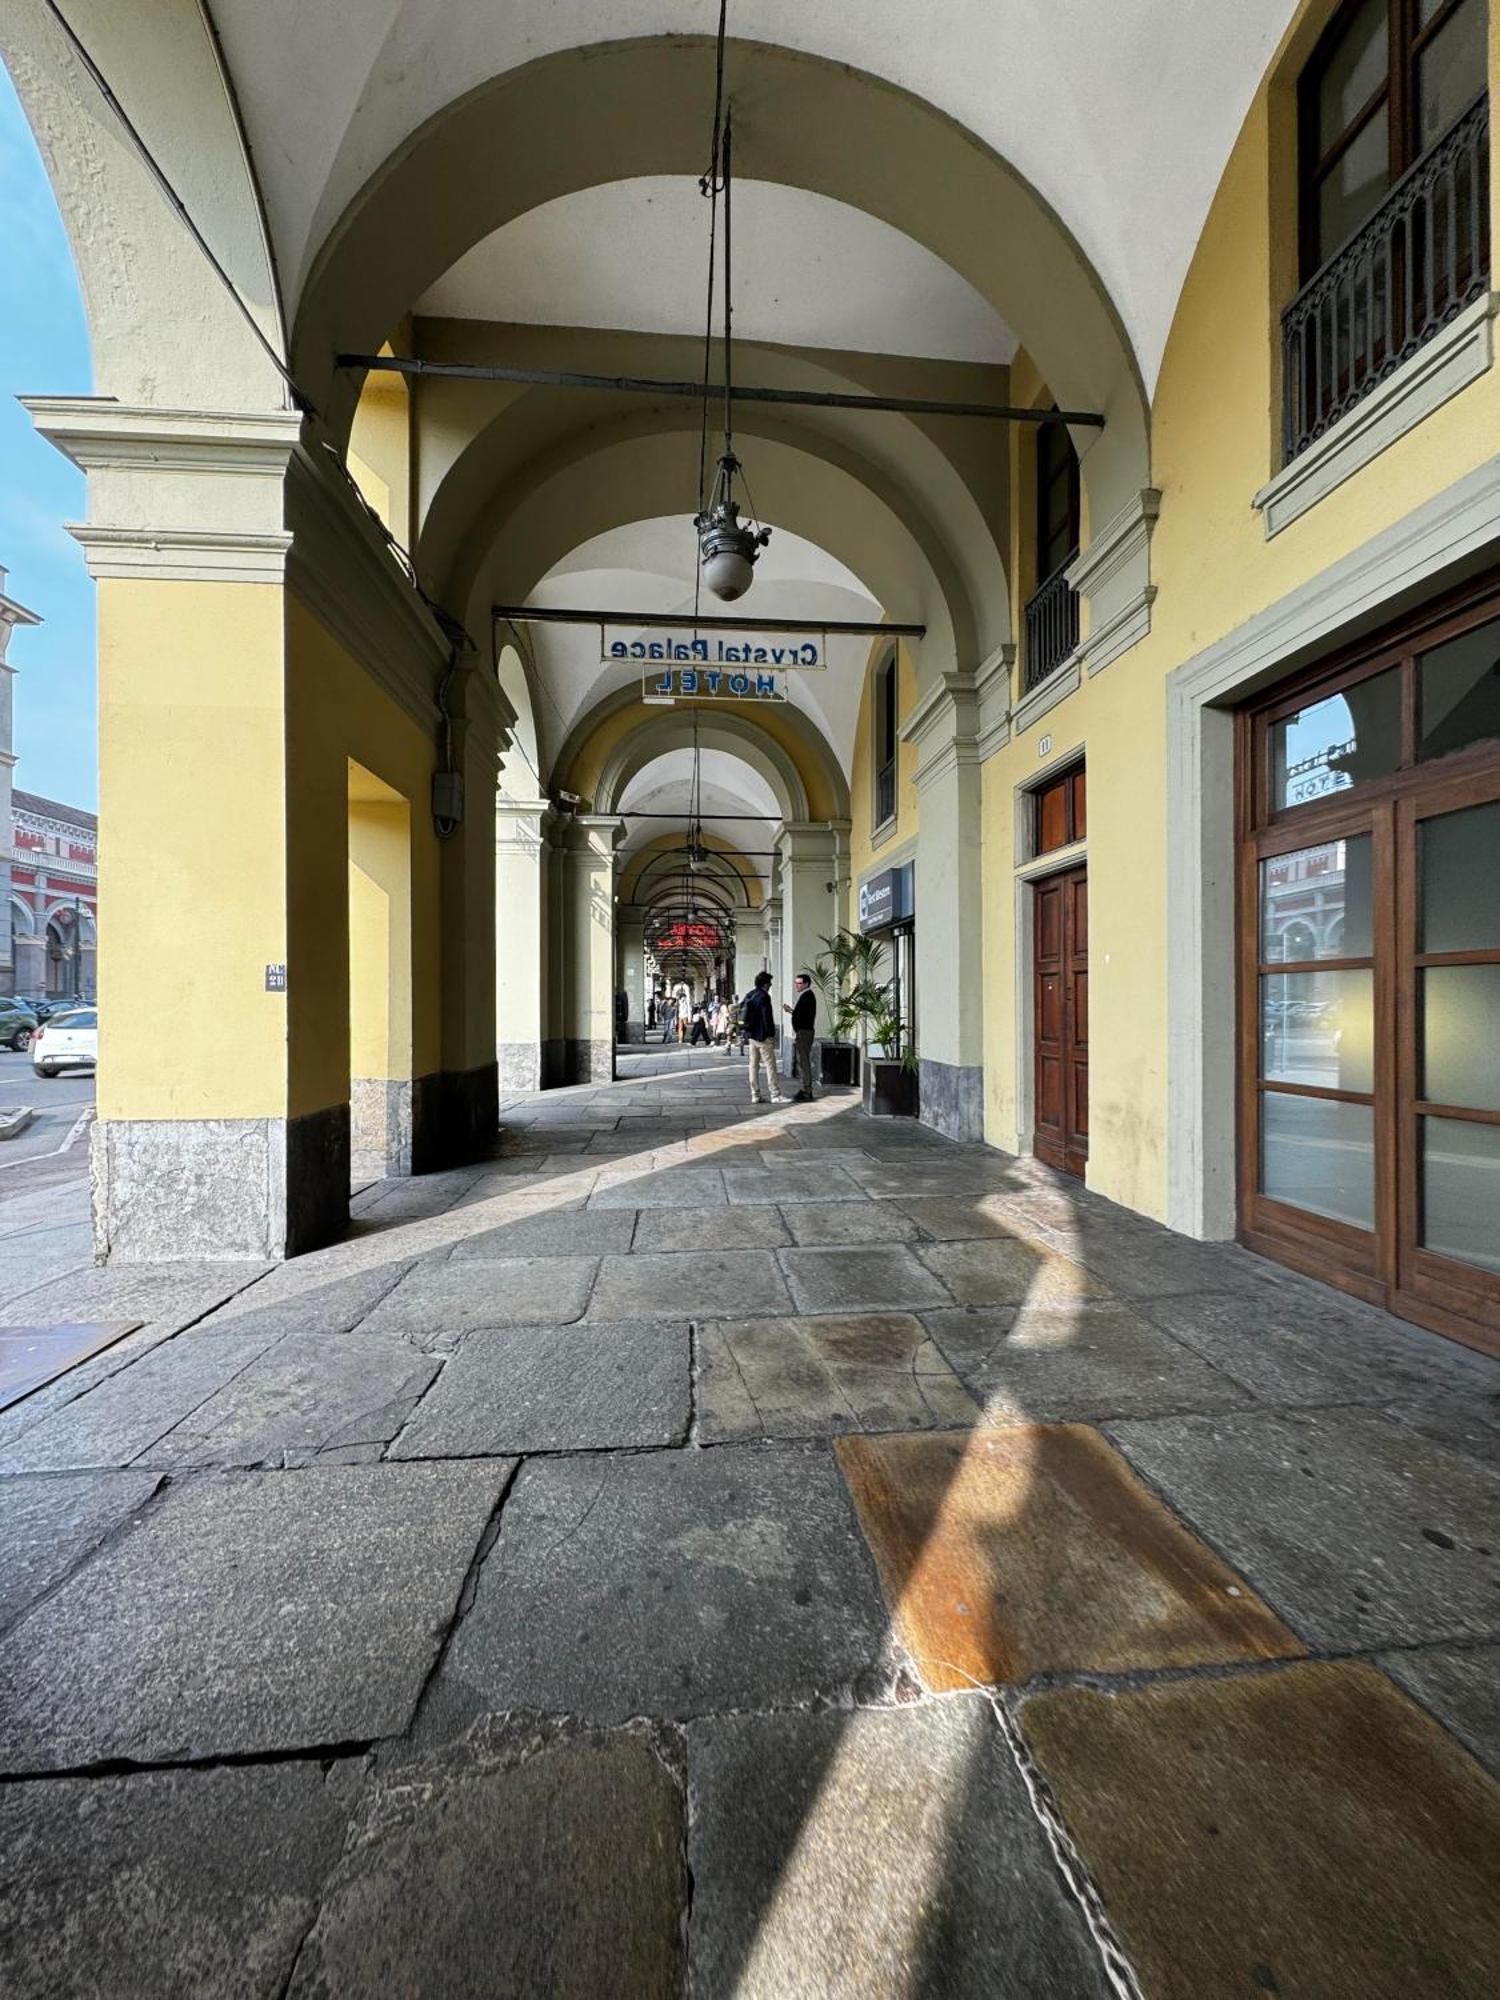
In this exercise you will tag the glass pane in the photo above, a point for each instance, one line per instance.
(1318, 1028)
(1319, 1154)
(1460, 905)
(1461, 1190)
(1315, 903)
(1450, 72)
(1356, 70)
(1461, 1036)
(1459, 691)
(1337, 742)
(1354, 186)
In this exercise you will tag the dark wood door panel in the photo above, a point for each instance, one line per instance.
(1060, 1020)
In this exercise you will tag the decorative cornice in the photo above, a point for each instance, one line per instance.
(1118, 543)
(183, 555)
(96, 432)
(992, 682)
(1059, 684)
(944, 727)
(1453, 358)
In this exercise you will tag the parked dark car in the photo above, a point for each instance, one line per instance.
(18, 1023)
(42, 1008)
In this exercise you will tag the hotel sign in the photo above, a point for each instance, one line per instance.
(718, 683)
(655, 645)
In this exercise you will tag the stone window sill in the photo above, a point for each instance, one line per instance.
(1058, 685)
(885, 831)
(1456, 356)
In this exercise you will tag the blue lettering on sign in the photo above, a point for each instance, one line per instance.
(765, 684)
(713, 677)
(688, 680)
(739, 684)
(662, 686)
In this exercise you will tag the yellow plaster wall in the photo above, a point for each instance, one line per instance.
(192, 858)
(864, 857)
(1214, 432)
(380, 983)
(335, 714)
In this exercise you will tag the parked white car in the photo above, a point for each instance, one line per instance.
(66, 1041)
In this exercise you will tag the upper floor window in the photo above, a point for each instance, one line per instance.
(1059, 812)
(886, 717)
(1385, 83)
(1057, 509)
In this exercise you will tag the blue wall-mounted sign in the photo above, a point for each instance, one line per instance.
(777, 650)
(718, 683)
(887, 898)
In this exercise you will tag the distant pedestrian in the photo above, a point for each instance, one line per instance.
(668, 1017)
(760, 1038)
(804, 1014)
(700, 1026)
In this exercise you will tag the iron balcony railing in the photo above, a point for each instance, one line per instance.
(1051, 625)
(1412, 267)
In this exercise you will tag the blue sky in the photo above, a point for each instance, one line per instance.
(44, 350)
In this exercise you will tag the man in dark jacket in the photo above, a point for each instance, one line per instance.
(804, 1013)
(760, 1038)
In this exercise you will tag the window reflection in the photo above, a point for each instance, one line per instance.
(1461, 1036)
(1315, 902)
(1461, 1190)
(1318, 1028)
(1343, 740)
(1319, 1154)
(1460, 692)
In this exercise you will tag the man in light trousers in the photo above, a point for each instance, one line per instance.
(760, 1038)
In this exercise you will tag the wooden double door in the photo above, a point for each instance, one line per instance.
(1060, 1019)
(1370, 972)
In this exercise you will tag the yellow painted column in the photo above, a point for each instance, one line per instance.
(380, 978)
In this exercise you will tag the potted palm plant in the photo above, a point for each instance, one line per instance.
(891, 1077)
(844, 973)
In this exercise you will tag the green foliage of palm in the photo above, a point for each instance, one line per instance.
(846, 973)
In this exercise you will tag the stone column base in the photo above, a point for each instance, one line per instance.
(519, 1067)
(380, 1118)
(952, 1098)
(455, 1117)
(591, 1062)
(265, 1188)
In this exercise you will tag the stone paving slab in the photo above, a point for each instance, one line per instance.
(875, 1855)
(1461, 1687)
(556, 1388)
(64, 1389)
(310, 1393)
(165, 1885)
(35, 1256)
(541, 1864)
(1086, 1359)
(49, 1523)
(171, 1293)
(964, 1218)
(666, 1584)
(860, 1278)
(129, 1411)
(693, 1186)
(455, 1297)
(1142, 1260)
(789, 1378)
(1308, 1831)
(245, 1613)
(565, 1232)
(1363, 1534)
(1005, 1554)
(820, 1223)
(996, 1273)
(693, 1283)
(710, 1229)
(1470, 1425)
(786, 1185)
(1288, 1347)
(309, 1295)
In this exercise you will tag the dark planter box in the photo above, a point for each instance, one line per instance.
(890, 1089)
(839, 1062)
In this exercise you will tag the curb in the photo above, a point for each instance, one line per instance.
(14, 1123)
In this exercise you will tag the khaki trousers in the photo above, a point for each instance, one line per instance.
(763, 1052)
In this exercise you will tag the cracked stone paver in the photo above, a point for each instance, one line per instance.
(166, 1882)
(556, 1388)
(874, 1855)
(525, 1863)
(666, 1584)
(994, 1273)
(694, 1283)
(128, 1412)
(310, 1393)
(247, 1612)
(789, 1378)
(48, 1523)
(860, 1278)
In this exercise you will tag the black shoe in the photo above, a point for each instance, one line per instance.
(803, 1097)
